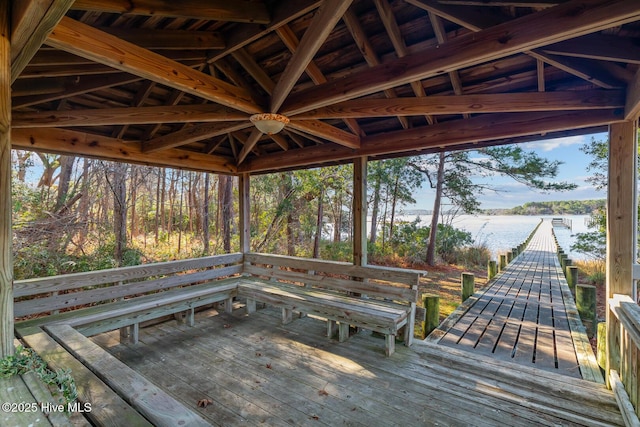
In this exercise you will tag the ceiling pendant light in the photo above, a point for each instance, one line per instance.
(269, 123)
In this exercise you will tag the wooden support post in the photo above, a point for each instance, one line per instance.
(572, 277)
(343, 331)
(492, 269)
(509, 257)
(586, 304)
(563, 259)
(251, 306)
(245, 213)
(567, 263)
(360, 211)
(601, 357)
(6, 258)
(228, 305)
(621, 224)
(332, 328)
(432, 314)
(191, 317)
(468, 285)
(390, 344)
(515, 252)
(287, 316)
(503, 261)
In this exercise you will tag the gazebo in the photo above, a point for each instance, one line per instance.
(256, 86)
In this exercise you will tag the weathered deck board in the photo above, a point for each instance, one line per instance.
(522, 316)
(258, 372)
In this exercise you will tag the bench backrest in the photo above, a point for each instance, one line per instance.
(395, 284)
(48, 294)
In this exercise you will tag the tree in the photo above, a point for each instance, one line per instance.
(450, 174)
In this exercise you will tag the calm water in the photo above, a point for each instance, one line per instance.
(502, 232)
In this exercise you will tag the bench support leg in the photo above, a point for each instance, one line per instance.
(191, 317)
(287, 316)
(251, 306)
(228, 306)
(343, 331)
(131, 332)
(390, 344)
(332, 328)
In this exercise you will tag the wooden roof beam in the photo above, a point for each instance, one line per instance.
(632, 106)
(290, 40)
(31, 23)
(326, 131)
(441, 135)
(321, 26)
(598, 46)
(368, 52)
(83, 40)
(467, 104)
(214, 10)
(477, 22)
(249, 145)
(548, 26)
(192, 134)
(127, 116)
(168, 39)
(505, 3)
(66, 141)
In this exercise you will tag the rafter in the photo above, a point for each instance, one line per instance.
(368, 52)
(504, 3)
(441, 135)
(168, 39)
(323, 22)
(586, 69)
(65, 141)
(479, 21)
(80, 39)
(127, 116)
(214, 10)
(249, 145)
(598, 46)
(32, 21)
(191, 134)
(632, 106)
(468, 104)
(326, 131)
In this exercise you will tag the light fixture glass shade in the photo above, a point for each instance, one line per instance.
(269, 123)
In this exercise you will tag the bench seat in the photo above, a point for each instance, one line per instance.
(384, 317)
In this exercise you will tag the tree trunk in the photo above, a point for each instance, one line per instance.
(180, 225)
(226, 184)
(374, 213)
(318, 237)
(23, 159)
(287, 188)
(133, 196)
(83, 209)
(120, 211)
(394, 201)
(205, 215)
(431, 248)
(158, 204)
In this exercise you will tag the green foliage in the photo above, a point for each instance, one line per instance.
(562, 207)
(337, 251)
(26, 360)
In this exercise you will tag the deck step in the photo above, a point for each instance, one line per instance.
(107, 408)
(145, 397)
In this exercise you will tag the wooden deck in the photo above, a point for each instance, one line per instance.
(526, 315)
(256, 372)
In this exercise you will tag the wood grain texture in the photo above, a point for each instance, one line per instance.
(323, 22)
(216, 10)
(80, 39)
(523, 34)
(462, 104)
(191, 134)
(127, 116)
(6, 256)
(32, 21)
(326, 131)
(168, 39)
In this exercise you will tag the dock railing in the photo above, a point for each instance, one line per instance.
(624, 353)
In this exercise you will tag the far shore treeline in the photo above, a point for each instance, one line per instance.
(562, 207)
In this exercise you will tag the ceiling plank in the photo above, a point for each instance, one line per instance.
(474, 19)
(249, 145)
(598, 46)
(326, 131)
(66, 141)
(168, 39)
(321, 26)
(80, 39)
(548, 26)
(632, 106)
(440, 135)
(191, 134)
(467, 104)
(127, 116)
(32, 21)
(214, 10)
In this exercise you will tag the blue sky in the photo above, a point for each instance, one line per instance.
(510, 193)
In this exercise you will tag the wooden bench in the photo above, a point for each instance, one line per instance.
(375, 298)
(122, 298)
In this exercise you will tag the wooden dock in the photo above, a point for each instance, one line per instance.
(526, 315)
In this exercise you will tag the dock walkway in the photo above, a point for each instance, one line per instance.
(526, 315)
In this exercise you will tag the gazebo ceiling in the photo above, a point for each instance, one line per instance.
(174, 83)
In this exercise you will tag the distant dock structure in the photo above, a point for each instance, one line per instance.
(562, 222)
